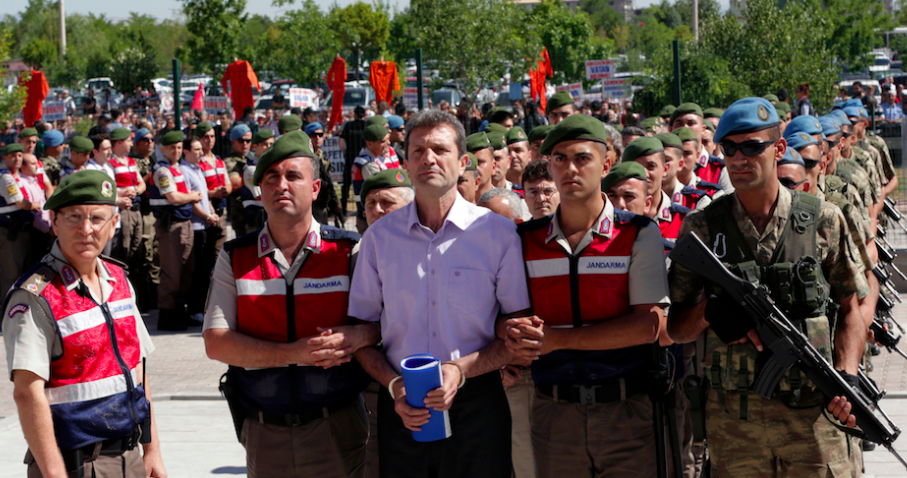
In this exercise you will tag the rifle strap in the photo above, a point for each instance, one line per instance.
(793, 378)
(716, 379)
(696, 390)
(743, 387)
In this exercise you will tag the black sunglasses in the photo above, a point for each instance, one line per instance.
(147, 140)
(748, 148)
(810, 163)
(244, 140)
(790, 183)
(317, 134)
(831, 144)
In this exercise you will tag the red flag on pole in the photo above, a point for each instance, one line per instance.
(36, 89)
(336, 80)
(198, 103)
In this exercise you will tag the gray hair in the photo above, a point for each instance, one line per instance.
(408, 194)
(617, 141)
(433, 119)
(512, 198)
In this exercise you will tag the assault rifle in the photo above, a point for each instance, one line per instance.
(889, 208)
(885, 338)
(785, 346)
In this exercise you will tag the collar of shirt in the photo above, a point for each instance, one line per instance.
(602, 226)
(267, 246)
(703, 158)
(768, 237)
(459, 215)
(69, 275)
(664, 211)
(189, 165)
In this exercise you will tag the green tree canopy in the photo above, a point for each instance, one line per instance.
(213, 25)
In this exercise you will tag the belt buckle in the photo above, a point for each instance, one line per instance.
(587, 394)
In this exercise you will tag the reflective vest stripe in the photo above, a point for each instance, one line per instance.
(9, 209)
(85, 320)
(251, 203)
(301, 286)
(159, 202)
(81, 392)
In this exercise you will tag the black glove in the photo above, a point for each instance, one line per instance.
(851, 380)
(728, 319)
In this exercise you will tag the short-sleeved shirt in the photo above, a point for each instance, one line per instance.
(164, 180)
(31, 335)
(438, 292)
(222, 309)
(107, 168)
(838, 264)
(194, 178)
(10, 191)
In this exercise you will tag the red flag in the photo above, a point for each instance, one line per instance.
(36, 89)
(198, 103)
(336, 80)
(241, 79)
(549, 70)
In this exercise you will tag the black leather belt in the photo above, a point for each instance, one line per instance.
(109, 447)
(295, 420)
(613, 391)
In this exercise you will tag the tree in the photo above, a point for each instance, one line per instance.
(852, 27)
(213, 25)
(360, 28)
(298, 45)
(134, 66)
(11, 102)
(38, 53)
(569, 38)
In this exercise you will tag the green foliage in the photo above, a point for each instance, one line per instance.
(11, 102)
(569, 39)
(38, 53)
(359, 27)
(777, 48)
(402, 44)
(212, 24)
(851, 26)
(133, 67)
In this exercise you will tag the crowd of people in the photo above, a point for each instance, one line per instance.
(527, 251)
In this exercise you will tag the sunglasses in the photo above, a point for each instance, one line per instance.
(748, 148)
(831, 144)
(810, 163)
(790, 183)
(317, 134)
(146, 140)
(244, 140)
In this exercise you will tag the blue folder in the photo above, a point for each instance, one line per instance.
(422, 374)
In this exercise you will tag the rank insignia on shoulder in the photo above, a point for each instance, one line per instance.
(17, 309)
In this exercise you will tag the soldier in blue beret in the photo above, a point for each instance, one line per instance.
(747, 225)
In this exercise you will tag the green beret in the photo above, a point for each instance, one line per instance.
(667, 111)
(262, 135)
(685, 109)
(202, 128)
(377, 119)
(640, 147)
(13, 148)
(575, 127)
(515, 135)
(374, 132)
(496, 138)
(709, 126)
(293, 144)
(389, 178)
(477, 141)
(649, 123)
(172, 137)
(81, 144)
(559, 99)
(473, 164)
(540, 132)
(686, 134)
(712, 113)
(89, 186)
(26, 132)
(495, 128)
(782, 107)
(669, 140)
(289, 123)
(621, 172)
(770, 97)
(498, 114)
(119, 134)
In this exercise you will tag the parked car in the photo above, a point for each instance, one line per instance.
(352, 97)
(449, 95)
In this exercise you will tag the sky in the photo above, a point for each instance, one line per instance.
(119, 9)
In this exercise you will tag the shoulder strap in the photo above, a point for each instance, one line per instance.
(36, 279)
(332, 233)
(626, 217)
(533, 225)
(725, 232)
(680, 209)
(716, 160)
(804, 216)
(245, 240)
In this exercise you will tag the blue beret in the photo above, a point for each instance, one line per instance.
(830, 125)
(313, 127)
(803, 124)
(141, 133)
(394, 122)
(855, 102)
(52, 138)
(838, 105)
(842, 117)
(792, 157)
(239, 131)
(746, 116)
(799, 140)
(852, 111)
(863, 113)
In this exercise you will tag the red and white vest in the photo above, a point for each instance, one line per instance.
(215, 174)
(126, 172)
(158, 202)
(92, 391)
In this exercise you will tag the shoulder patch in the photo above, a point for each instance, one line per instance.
(332, 233)
(17, 309)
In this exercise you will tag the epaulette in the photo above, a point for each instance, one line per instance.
(680, 208)
(707, 186)
(114, 262)
(669, 244)
(626, 217)
(716, 160)
(246, 240)
(691, 191)
(332, 233)
(533, 225)
(36, 279)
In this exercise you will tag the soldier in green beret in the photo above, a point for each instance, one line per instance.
(172, 203)
(625, 186)
(289, 123)
(479, 145)
(536, 138)
(559, 107)
(47, 366)
(321, 429)
(712, 115)
(501, 159)
(79, 153)
(376, 119)
(495, 128)
(666, 112)
(385, 192)
(566, 341)
(16, 217)
(518, 148)
(500, 115)
(148, 273)
(377, 155)
(468, 182)
(130, 187)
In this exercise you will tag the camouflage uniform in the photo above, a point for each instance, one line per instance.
(149, 274)
(865, 159)
(52, 169)
(856, 225)
(887, 165)
(853, 173)
(235, 164)
(795, 442)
